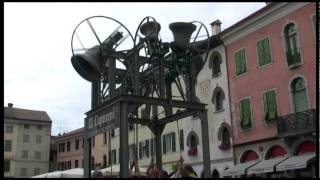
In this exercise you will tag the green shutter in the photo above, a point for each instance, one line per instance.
(237, 60)
(272, 105)
(243, 61)
(300, 101)
(246, 113)
(267, 56)
(181, 140)
(260, 52)
(147, 148)
(266, 108)
(241, 114)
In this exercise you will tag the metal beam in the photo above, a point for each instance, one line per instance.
(124, 147)
(205, 143)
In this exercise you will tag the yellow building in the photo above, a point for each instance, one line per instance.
(26, 142)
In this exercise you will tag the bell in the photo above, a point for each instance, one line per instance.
(182, 32)
(150, 29)
(87, 64)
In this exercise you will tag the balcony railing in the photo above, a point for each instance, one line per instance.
(297, 123)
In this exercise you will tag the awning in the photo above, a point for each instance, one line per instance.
(239, 169)
(265, 165)
(296, 162)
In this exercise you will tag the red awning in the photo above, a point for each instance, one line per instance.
(306, 147)
(276, 151)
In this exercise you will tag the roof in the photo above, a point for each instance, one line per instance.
(253, 15)
(80, 130)
(25, 114)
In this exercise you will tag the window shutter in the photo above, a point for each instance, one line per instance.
(164, 144)
(181, 140)
(266, 108)
(140, 150)
(241, 114)
(243, 60)
(151, 147)
(260, 53)
(272, 106)
(147, 148)
(267, 51)
(173, 142)
(237, 62)
(246, 113)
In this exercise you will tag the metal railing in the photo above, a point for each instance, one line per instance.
(297, 123)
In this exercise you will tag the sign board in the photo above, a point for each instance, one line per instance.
(103, 119)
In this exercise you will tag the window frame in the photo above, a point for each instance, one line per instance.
(38, 139)
(7, 168)
(25, 154)
(6, 145)
(25, 138)
(9, 132)
(298, 43)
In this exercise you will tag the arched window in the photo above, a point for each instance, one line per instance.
(104, 161)
(249, 155)
(299, 95)
(214, 64)
(292, 45)
(217, 99)
(306, 147)
(192, 143)
(276, 151)
(224, 137)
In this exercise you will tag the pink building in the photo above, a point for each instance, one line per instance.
(271, 61)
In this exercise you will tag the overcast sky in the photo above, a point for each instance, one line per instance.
(38, 74)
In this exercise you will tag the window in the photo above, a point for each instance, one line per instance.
(299, 95)
(7, 145)
(9, 129)
(214, 64)
(270, 106)
(144, 149)
(77, 144)
(24, 154)
(36, 171)
(68, 146)
(62, 147)
(240, 61)
(169, 143)
(112, 133)
(23, 172)
(38, 139)
(37, 155)
(245, 114)
(25, 138)
(104, 160)
(26, 126)
(225, 136)
(292, 46)
(192, 143)
(82, 163)
(113, 156)
(132, 151)
(181, 139)
(93, 139)
(263, 52)
(314, 21)
(39, 127)
(217, 99)
(6, 165)
(153, 146)
(62, 166)
(82, 143)
(130, 126)
(105, 138)
(76, 163)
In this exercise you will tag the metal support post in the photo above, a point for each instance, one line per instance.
(124, 148)
(205, 143)
(87, 158)
(158, 148)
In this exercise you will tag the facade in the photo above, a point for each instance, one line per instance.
(26, 142)
(271, 58)
(70, 150)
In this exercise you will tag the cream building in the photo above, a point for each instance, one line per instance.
(211, 89)
(26, 142)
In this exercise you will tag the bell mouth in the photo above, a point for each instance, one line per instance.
(84, 69)
(150, 29)
(182, 32)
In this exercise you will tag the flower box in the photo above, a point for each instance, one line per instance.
(224, 147)
(192, 152)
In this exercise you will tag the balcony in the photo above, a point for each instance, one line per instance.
(297, 123)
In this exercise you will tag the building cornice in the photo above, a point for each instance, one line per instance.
(261, 19)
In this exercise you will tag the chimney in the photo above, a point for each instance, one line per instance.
(10, 105)
(216, 27)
